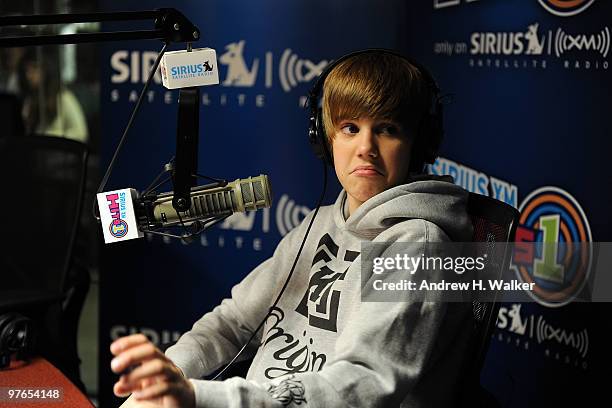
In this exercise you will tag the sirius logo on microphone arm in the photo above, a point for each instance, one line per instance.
(191, 70)
(182, 69)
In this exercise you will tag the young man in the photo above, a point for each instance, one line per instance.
(322, 346)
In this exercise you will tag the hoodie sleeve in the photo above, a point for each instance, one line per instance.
(218, 335)
(387, 352)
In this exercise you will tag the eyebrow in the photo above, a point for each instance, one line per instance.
(387, 121)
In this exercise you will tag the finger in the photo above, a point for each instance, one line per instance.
(152, 368)
(147, 382)
(122, 389)
(135, 355)
(158, 389)
(123, 343)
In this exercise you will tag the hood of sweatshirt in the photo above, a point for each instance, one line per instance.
(433, 198)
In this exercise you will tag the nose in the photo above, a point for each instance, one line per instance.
(368, 146)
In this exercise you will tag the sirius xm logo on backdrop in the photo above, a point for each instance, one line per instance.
(476, 181)
(532, 47)
(532, 332)
(245, 77)
(155, 335)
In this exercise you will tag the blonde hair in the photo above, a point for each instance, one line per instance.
(375, 84)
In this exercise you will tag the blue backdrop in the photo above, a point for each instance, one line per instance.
(527, 126)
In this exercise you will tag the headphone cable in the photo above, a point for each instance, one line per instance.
(263, 321)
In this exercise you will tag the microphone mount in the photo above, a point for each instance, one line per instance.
(147, 199)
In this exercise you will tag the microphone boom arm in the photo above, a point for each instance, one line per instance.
(170, 26)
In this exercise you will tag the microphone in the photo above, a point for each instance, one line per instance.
(125, 215)
(240, 195)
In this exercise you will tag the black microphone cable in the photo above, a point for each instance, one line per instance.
(297, 256)
(109, 169)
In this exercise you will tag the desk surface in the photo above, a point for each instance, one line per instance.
(39, 374)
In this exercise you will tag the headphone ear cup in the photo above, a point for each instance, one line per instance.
(428, 141)
(430, 149)
(419, 147)
(317, 138)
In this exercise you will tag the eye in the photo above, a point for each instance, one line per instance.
(389, 129)
(349, 128)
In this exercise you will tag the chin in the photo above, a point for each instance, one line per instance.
(364, 195)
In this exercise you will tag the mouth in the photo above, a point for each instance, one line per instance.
(367, 170)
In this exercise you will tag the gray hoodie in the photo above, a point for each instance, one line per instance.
(322, 346)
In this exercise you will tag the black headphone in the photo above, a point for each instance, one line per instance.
(430, 130)
(17, 335)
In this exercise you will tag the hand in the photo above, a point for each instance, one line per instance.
(155, 379)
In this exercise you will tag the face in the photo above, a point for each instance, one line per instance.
(370, 156)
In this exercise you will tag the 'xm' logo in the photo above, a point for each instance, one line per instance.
(559, 264)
